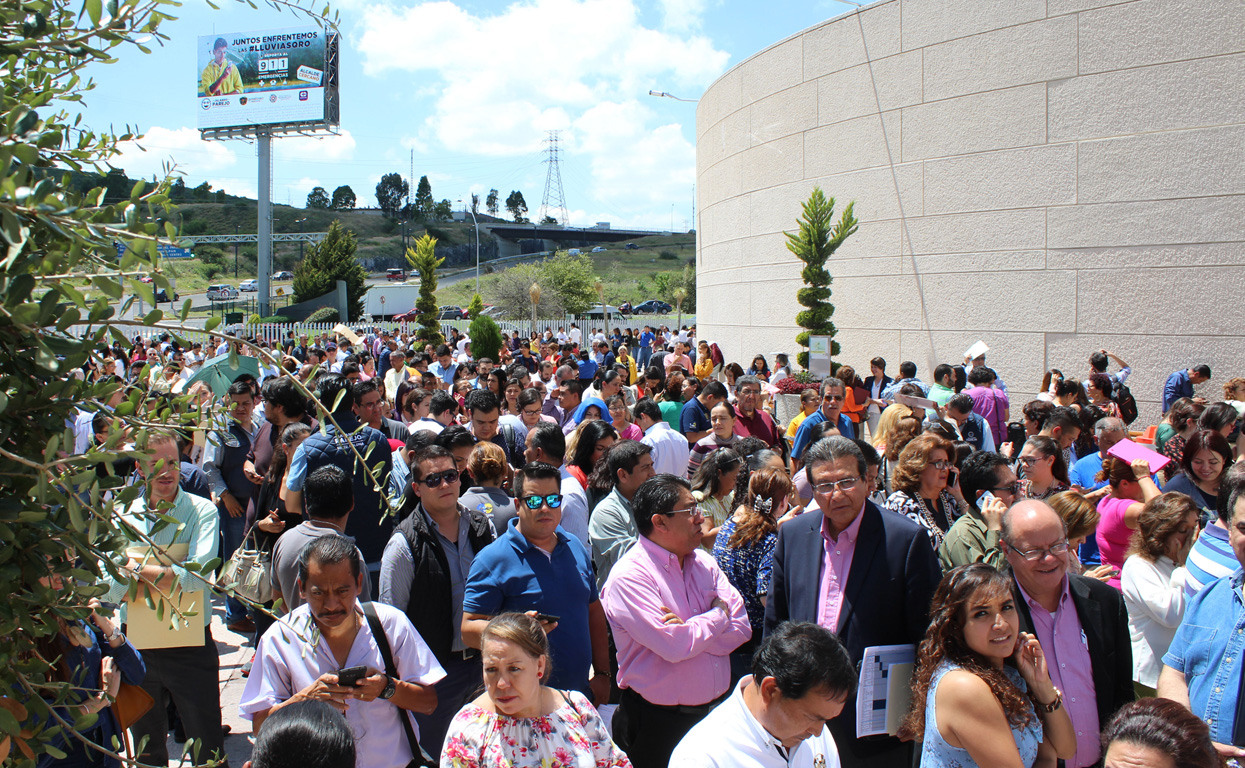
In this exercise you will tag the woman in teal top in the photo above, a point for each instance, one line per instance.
(982, 695)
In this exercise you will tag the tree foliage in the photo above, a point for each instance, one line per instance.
(517, 207)
(490, 203)
(475, 203)
(318, 199)
(443, 211)
(391, 193)
(510, 292)
(475, 307)
(328, 261)
(423, 259)
(343, 198)
(425, 207)
(485, 337)
(566, 286)
(814, 243)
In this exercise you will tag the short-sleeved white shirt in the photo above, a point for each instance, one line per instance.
(287, 661)
(731, 736)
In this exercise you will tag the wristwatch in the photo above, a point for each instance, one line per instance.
(391, 687)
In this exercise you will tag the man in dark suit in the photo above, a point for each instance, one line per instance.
(862, 572)
(1081, 623)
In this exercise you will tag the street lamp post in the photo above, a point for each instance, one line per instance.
(600, 289)
(300, 242)
(679, 295)
(236, 229)
(477, 226)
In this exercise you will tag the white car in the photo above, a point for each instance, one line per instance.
(248, 285)
(222, 292)
(598, 249)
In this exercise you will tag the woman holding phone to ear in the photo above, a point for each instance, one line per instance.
(981, 693)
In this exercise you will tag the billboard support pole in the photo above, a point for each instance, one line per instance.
(264, 231)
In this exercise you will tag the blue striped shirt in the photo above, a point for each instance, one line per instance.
(1210, 559)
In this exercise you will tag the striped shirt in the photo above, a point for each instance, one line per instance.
(1210, 559)
(198, 526)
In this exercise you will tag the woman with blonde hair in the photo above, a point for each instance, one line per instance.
(886, 424)
(518, 722)
(922, 481)
(488, 468)
(982, 694)
(1080, 520)
(1153, 582)
(902, 433)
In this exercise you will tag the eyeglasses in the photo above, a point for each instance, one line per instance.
(940, 464)
(535, 502)
(1033, 555)
(436, 478)
(749, 392)
(692, 511)
(1029, 461)
(846, 485)
(531, 412)
(832, 398)
(1013, 488)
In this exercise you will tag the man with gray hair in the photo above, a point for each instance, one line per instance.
(750, 420)
(863, 573)
(831, 411)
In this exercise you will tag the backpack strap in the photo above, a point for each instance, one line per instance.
(419, 757)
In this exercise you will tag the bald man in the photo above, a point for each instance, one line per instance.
(1081, 623)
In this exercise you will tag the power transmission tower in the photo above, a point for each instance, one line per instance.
(554, 202)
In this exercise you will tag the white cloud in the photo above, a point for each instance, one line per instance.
(579, 66)
(180, 146)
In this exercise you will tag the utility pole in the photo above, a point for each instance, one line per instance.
(236, 229)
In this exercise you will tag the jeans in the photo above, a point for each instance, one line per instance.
(232, 529)
(462, 682)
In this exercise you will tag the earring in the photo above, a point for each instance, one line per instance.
(539, 675)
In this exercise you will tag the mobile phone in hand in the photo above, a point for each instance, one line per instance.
(548, 618)
(350, 675)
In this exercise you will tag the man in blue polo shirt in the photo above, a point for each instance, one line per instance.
(694, 420)
(831, 410)
(445, 366)
(534, 566)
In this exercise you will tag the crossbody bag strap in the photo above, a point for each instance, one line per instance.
(382, 643)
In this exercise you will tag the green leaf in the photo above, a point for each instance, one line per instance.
(211, 323)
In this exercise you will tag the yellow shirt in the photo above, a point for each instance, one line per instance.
(231, 84)
(795, 423)
(703, 368)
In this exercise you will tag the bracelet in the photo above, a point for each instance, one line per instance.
(606, 675)
(1051, 707)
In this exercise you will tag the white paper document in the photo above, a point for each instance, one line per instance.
(885, 691)
(977, 350)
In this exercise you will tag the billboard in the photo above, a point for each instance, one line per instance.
(266, 78)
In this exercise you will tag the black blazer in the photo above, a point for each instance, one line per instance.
(1104, 619)
(886, 601)
(886, 382)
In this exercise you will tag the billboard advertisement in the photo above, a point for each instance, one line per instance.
(263, 78)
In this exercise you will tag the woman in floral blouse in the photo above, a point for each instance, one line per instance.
(518, 722)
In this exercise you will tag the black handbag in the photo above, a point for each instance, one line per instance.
(421, 758)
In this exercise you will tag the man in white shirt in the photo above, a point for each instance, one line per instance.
(670, 449)
(801, 677)
(575, 335)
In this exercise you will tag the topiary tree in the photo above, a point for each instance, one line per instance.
(324, 315)
(475, 307)
(423, 259)
(814, 244)
(485, 338)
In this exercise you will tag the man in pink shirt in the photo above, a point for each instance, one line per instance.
(989, 403)
(676, 620)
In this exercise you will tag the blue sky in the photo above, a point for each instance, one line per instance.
(471, 87)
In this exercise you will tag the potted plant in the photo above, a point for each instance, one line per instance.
(787, 400)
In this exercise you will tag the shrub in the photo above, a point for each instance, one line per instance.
(668, 256)
(324, 315)
(794, 385)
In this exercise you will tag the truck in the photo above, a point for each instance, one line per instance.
(389, 300)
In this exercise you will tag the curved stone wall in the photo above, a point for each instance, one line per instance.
(1051, 176)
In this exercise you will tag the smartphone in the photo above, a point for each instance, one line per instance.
(986, 498)
(547, 617)
(350, 675)
(952, 477)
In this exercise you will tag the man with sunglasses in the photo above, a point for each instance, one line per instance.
(537, 567)
(831, 411)
(428, 559)
(676, 620)
(990, 487)
(863, 573)
(1081, 623)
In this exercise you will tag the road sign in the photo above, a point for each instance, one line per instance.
(166, 250)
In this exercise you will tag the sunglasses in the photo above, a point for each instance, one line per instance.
(436, 478)
(534, 502)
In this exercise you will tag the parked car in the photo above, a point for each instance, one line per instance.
(653, 307)
(222, 292)
(248, 285)
(395, 274)
(283, 275)
(451, 312)
(493, 311)
(597, 310)
(631, 247)
(407, 317)
(598, 249)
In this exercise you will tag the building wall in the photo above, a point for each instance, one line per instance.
(1051, 176)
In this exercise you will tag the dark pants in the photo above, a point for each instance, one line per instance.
(232, 530)
(648, 732)
(463, 680)
(190, 677)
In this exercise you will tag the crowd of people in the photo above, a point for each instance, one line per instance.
(606, 549)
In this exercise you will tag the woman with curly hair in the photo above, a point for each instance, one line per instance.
(981, 694)
(925, 490)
